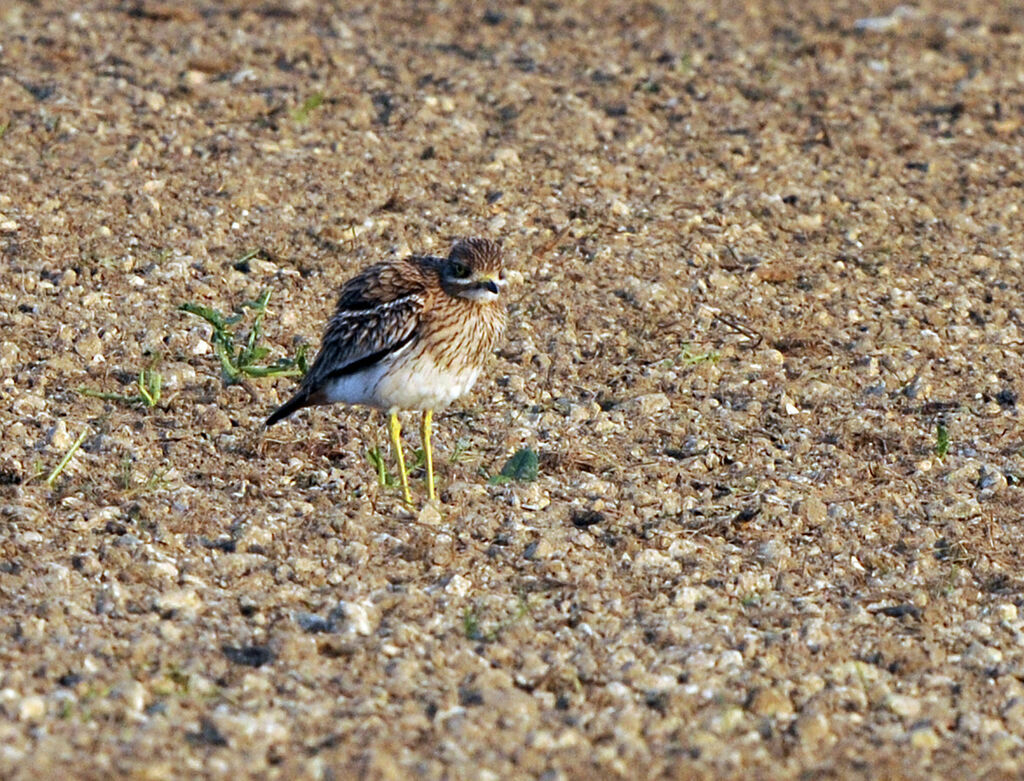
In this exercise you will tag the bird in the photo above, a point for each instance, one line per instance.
(409, 334)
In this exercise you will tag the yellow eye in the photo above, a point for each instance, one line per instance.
(459, 270)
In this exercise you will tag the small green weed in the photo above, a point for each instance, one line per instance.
(522, 467)
(690, 358)
(941, 440)
(148, 385)
(460, 450)
(237, 363)
(126, 478)
(384, 477)
(471, 624)
(473, 630)
(314, 101)
(52, 477)
(376, 459)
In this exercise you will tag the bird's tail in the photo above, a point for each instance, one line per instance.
(298, 401)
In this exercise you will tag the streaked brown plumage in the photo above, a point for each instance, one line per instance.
(409, 334)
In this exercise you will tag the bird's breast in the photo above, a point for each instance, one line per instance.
(416, 381)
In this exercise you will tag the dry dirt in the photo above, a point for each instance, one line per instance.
(765, 254)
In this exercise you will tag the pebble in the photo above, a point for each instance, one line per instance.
(771, 702)
(1006, 611)
(812, 728)
(430, 514)
(1013, 714)
(726, 721)
(538, 550)
(648, 405)
(214, 420)
(813, 511)
(459, 586)
(532, 497)
(89, 346)
(359, 617)
(925, 738)
(60, 439)
(902, 705)
(32, 708)
(9, 354)
(183, 603)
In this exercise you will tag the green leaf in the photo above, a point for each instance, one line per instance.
(245, 360)
(522, 467)
(212, 316)
(941, 440)
(301, 114)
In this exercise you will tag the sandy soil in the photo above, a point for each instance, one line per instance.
(766, 342)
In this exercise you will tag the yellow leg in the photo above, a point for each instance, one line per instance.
(395, 428)
(428, 416)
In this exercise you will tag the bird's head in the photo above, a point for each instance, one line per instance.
(473, 270)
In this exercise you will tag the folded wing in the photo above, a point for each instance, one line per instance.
(361, 333)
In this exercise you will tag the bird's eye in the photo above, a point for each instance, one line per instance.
(459, 270)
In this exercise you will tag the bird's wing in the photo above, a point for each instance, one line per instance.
(355, 340)
(378, 314)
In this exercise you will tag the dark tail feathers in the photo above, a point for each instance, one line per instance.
(297, 402)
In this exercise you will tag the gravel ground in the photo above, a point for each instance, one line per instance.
(766, 342)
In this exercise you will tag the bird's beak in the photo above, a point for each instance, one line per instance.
(490, 284)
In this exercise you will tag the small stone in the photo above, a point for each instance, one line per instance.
(249, 655)
(214, 420)
(430, 514)
(813, 511)
(809, 223)
(133, 694)
(312, 623)
(902, 705)
(89, 346)
(506, 156)
(359, 617)
(32, 708)
(1013, 714)
(726, 722)
(648, 405)
(982, 657)
(459, 585)
(533, 497)
(991, 482)
(967, 473)
(60, 439)
(619, 207)
(164, 569)
(538, 550)
(155, 101)
(9, 353)
(771, 702)
(925, 738)
(1006, 611)
(813, 728)
(651, 559)
(178, 603)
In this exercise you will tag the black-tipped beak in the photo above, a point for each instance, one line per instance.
(492, 286)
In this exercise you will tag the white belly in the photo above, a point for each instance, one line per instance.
(401, 383)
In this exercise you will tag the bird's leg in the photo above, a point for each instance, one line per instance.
(428, 416)
(395, 429)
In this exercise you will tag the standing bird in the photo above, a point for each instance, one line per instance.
(409, 334)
